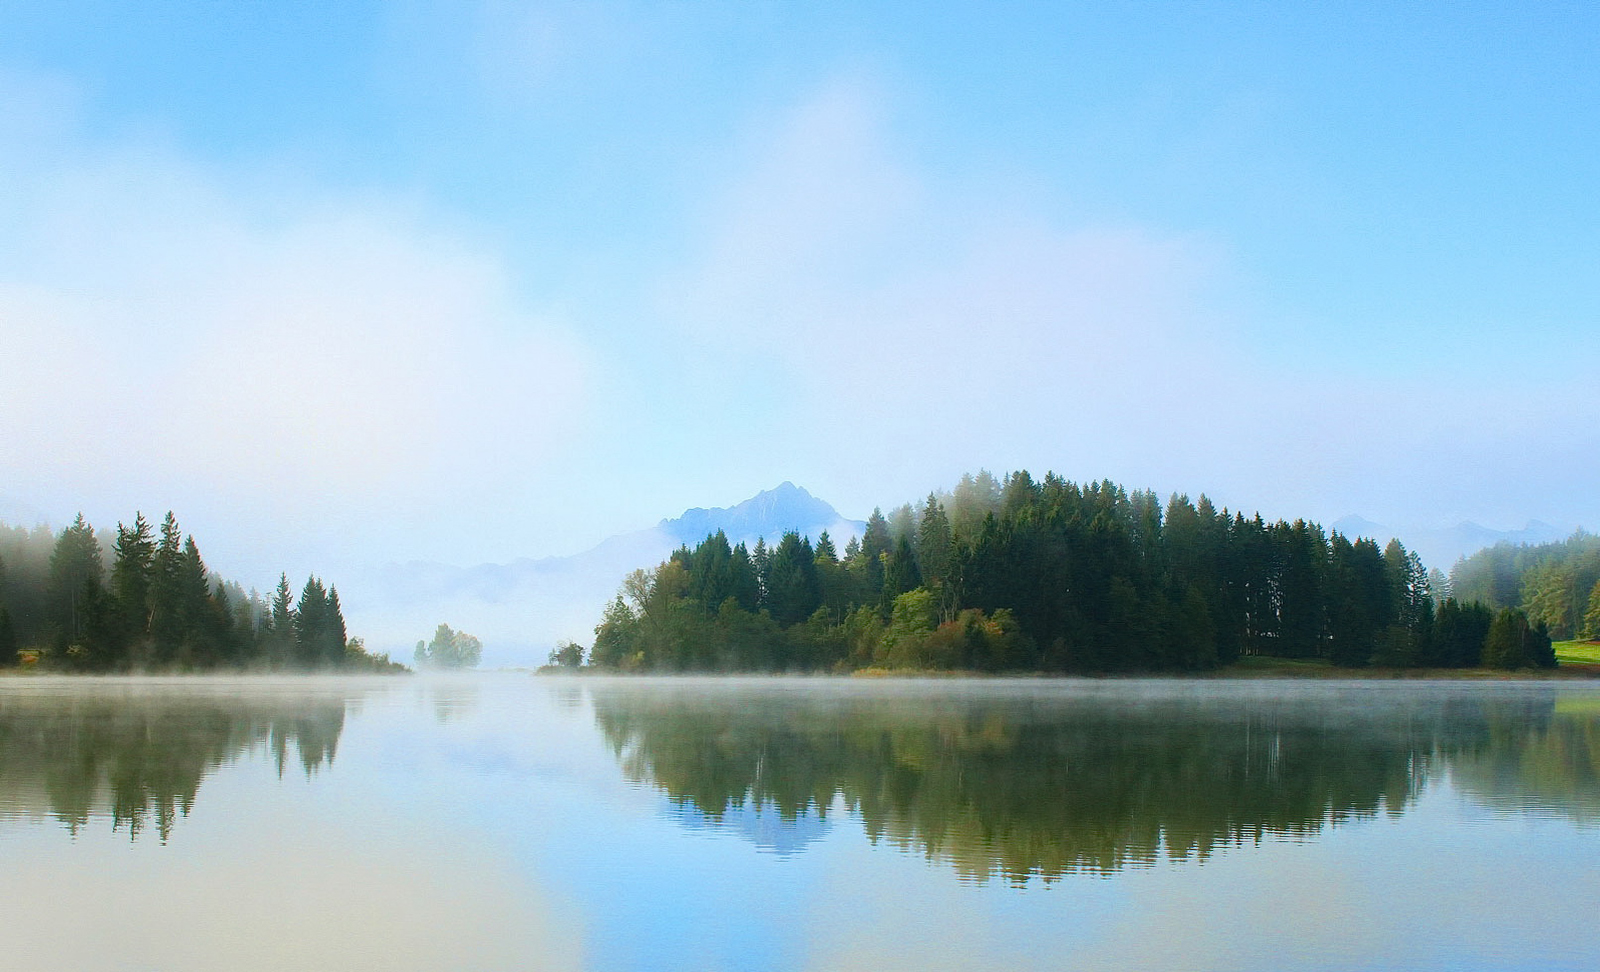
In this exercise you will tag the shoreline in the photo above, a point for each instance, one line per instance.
(1256, 668)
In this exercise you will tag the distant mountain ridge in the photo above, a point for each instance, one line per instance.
(1442, 547)
(521, 608)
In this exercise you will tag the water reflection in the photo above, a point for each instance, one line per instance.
(1551, 768)
(1026, 781)
(136, 751)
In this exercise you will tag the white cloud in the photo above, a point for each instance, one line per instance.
(939, 314)
(171, 331)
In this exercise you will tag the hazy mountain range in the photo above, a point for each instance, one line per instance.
(1441, 547)
(520, 609)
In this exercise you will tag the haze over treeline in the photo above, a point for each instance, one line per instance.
(1557, 584)
(139, 598)
(1050, 575)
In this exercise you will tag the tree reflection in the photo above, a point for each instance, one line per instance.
(1552, 768)
(137, 753)
(1022, 783)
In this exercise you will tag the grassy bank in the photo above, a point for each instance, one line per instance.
(1578, 652)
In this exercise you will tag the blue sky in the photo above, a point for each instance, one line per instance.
(348, 283)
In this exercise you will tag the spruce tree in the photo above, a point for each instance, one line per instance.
(131, 577)
(337, 635)
(744, 584)
(311, 625)
(196, 620)
(75, 572)
(875, 546)
(933, 543)
(279, 634)
(166, 594)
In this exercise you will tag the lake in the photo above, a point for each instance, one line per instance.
(506, 821)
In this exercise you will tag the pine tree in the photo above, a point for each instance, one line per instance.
(875, 546)
(311, 625)
(338, 635)
(279, 634)
(744, 583)
(75, 573)
(1356, 574)
(131, 577)
(166, 594)
(196, 621)
(1301, 610)
(933, 543)
(824, 550)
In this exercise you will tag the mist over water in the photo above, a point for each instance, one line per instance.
(507, 822)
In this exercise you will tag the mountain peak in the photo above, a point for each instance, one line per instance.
(769, 514)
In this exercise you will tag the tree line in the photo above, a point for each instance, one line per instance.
(142, 599)
(1049, 575)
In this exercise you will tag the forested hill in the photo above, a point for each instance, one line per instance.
(1557, 584)
(133, 600)
(1050, 575)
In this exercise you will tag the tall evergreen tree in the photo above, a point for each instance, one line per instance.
(166, 593)
(744, 580)
(875, 546)
(934, 543)
(196, 611)
(1301, 605)
(75, 576)
(131, 578)
(279, 636)
(1357, 588)
(338, 634)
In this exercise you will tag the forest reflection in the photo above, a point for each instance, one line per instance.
(1019, 783)
(136, 752)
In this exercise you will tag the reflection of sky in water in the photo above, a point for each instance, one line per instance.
(504, 837)
(769, 829)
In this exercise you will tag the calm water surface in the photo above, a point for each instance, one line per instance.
(511, 822)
